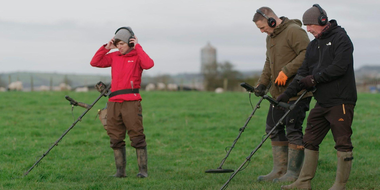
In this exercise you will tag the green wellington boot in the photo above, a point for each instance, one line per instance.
(120, 161)
(280, 161)
(295, 160)
(142, 160)
(307, 172)
(343, 170)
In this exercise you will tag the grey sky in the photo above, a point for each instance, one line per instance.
(62, 36)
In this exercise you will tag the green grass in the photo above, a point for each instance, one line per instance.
(187, 134)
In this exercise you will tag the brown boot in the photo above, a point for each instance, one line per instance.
(343, 170)
(295, 160)
(120, 161)
(142, 160)
(280, 160)
(307, 173)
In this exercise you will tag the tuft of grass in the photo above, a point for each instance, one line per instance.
(187, 134)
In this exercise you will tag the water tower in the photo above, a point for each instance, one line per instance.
(208, 57)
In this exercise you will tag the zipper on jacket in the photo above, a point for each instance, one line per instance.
(344, 109)
(132, 87)
(320, 54)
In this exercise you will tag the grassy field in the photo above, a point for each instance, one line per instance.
(187, 133)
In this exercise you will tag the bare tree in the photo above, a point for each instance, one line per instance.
(221, 75)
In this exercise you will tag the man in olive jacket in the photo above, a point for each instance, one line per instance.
(286, 44)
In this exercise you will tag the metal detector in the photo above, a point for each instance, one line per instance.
(103, 89)
(250, 89)
(275, 103)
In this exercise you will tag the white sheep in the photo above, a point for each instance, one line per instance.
(16, 86)
(161, 86)
(172, 87)
(219, 90)
(150, 87)
(43, 88)
(81, 89)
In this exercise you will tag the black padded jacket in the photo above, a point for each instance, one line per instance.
(329, 59)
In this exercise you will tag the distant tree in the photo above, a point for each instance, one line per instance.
(227, 73)
(165, 78)
(211, 77)
(221, 75)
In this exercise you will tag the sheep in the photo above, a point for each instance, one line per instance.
(150, 87)
(17, 86)
(172, 87)
(62, 87)
(81, 89)
(161, 86)
(219, 90)
(43, 88)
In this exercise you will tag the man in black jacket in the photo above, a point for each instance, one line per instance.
(328, 67)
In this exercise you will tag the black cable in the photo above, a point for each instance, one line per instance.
(72, 112)
(250, 101)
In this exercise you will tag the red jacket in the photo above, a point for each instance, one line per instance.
(126, 70)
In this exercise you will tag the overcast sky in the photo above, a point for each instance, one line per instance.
(62, 36)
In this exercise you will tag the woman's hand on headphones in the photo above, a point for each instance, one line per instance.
(134, 40)
(110, 44)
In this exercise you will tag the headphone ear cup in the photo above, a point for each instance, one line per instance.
(271, 22)
(129, 43)
(322, 20)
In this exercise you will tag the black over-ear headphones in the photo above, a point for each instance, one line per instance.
(132, 35)
(322, 19)
(271, 21)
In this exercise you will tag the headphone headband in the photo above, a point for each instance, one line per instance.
(271, 21)
(319, 8)
(262, 14)
(322, 19)
(126, 28)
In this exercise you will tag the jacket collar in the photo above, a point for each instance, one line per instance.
(284, 24)
(328, 30)
(133, 52)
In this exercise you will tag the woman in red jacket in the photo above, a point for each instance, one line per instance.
(124, 111)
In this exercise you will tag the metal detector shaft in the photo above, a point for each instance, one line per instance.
(262, 142)
(241, 131)
(67, 131)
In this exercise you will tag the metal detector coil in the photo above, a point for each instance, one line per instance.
(219, 170)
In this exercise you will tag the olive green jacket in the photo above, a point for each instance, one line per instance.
(286, 49)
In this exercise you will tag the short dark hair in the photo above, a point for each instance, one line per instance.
(267, 11)
(116, 41)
